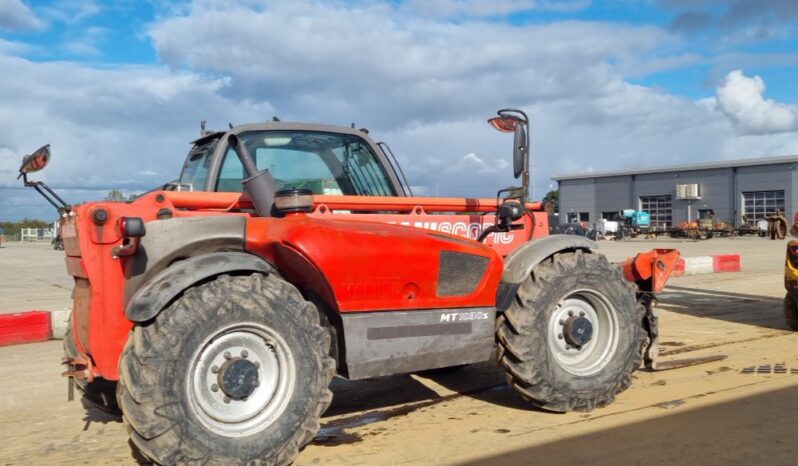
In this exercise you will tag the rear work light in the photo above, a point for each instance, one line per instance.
(289, 201)
(131, 229)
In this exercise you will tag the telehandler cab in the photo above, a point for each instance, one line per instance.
(217, 311)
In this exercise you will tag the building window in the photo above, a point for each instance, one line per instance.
(659, 209)
(760, 204)
(614, 215)
(576, 217)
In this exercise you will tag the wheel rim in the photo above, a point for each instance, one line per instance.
(241, 379)
(579, 313)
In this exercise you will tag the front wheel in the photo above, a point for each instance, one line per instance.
(573, 336)
(236, 371)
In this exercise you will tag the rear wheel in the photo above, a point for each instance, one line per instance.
(573, 335)
(790, 311)
(236, 371)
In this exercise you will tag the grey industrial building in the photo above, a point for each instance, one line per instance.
(730, 189)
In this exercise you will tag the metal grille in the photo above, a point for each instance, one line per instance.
(659, 208)
(760, 204)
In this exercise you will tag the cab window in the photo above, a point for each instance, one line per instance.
(195, 169)
(325, 163)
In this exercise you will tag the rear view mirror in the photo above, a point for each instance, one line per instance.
(35, 161)
(504, 124)
(515, 121)
(519, 150)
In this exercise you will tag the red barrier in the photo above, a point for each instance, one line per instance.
(678, 270)
(726, 263)
(24, 327)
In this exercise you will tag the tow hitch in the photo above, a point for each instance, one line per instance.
(650, 272)
(78, 367)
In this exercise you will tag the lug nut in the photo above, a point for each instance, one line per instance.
(562, 322)
(257, 365)
(227, 355)
(581, 314)
(215, 369)
(567, 347)
(214, 388)
(570, 313)
(257, 383)
(227, 399)
(559, 337)
(244, 353)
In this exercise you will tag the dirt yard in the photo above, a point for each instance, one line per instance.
(740, 410)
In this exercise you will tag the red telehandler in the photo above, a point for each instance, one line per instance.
(216, 311)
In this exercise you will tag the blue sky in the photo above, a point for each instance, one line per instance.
(118, 87)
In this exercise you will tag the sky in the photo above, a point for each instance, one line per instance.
(118, 87)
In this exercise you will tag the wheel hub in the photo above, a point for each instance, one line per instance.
(238, 378)
(241, 379)
(582, 332)
(578, 331)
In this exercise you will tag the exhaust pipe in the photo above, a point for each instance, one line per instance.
(259, 184)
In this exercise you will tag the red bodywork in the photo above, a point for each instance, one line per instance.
(651, 270)
(331, 251)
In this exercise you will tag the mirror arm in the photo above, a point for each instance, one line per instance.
(47, 193)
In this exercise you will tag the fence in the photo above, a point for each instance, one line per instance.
(36, 234)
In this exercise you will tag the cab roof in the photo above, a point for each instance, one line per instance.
(282, 126)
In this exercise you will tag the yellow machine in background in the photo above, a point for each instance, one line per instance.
(791, 284)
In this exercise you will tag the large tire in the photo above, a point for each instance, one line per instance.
(790, 311)
(175, 410)
(99, 392)
(535, 348)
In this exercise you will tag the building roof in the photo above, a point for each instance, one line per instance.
(754, 161)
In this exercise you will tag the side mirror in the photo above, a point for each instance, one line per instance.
(511, 120)
(514, 121)
(520, 150)
(35, 161)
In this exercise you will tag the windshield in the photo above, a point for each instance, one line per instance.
(195, 170)
(325, 163)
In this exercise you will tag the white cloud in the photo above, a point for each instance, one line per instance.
(741, 98)
(107, 124)
(16, 16)
(71, 11)
(489, 8)
(87, 42)
(328, 62)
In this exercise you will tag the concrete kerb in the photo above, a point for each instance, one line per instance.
(707, 264)
(59, 320)
(33, 326)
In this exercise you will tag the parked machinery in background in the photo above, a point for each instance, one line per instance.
(57, 242)
(791, 285)
(777, 225)
(604, 229)
(636, 221)
(751, 227)
(705, 227)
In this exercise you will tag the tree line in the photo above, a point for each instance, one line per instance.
(12, 229)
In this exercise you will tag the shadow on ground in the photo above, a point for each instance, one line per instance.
(757, 429)
(365, 402)
(760, 311)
